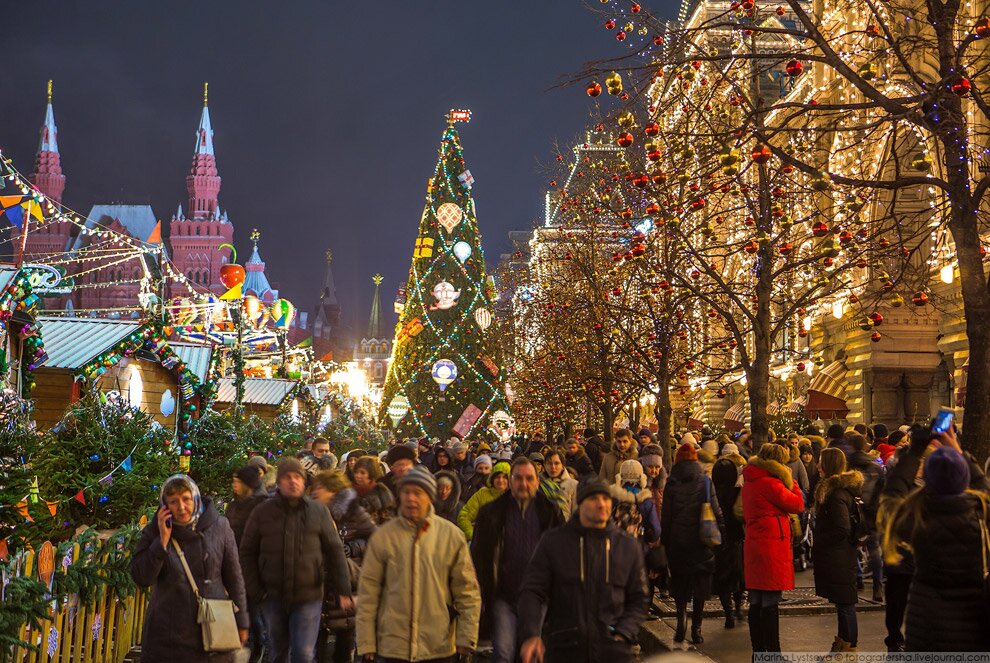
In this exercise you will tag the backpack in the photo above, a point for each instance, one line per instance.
(628, 517)
(858, 527)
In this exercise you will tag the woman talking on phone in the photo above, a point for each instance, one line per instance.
(189, 523)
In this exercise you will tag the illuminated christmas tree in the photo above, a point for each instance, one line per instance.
(444, 379)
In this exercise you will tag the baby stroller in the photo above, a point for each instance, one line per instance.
(802, 545)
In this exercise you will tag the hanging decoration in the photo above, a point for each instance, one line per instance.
(483, 318)
(449, 215)
(444, 372)
(445, 295)
(462, 251)
(397, 408)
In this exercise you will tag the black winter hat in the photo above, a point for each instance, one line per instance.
(399, 452)
(249, 476)
(591, 486)
(836, 432)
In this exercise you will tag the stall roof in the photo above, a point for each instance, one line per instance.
(196, 357)
(72, 342)
(257, 391)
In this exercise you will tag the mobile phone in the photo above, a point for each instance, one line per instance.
(943, 420)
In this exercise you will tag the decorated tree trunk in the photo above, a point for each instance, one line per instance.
(445, 378)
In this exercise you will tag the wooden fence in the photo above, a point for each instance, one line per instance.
(104, 631)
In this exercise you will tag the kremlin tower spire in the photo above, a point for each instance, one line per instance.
(197, 234)
(203, 182)
(375, 323)
(48, 175)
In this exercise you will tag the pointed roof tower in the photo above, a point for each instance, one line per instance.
(375, 323)
(48, 175)
(255, 281)
(203, 181)
(328, 309)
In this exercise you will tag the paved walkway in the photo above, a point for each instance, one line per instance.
(807, 624)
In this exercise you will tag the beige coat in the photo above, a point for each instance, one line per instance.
(418, 597)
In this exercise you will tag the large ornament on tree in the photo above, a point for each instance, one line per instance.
(483, 318)
(446, 295)
(462, 251)
(449, 215)
(397, 408)
(444, 372)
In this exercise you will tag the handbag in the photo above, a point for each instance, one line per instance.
(711, 535)
(215, 616)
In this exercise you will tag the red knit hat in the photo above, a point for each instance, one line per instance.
(685, 452)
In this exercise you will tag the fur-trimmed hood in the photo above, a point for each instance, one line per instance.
(753, 469)
(705, 457)
(795, 453)
(852, 480)
(622, 494)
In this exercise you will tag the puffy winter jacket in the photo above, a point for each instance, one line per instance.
(580, 463)
(171, 632)
(680, 519)
(769, 496)
(946, 609)
(873, 480)
(418, 598)
(834, 552)
(293, 553)
(613, 459)
(239, 510)
(591, 582)
(450, 508)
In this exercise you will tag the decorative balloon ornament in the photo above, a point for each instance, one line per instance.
(462, 251)
(483, 318)
(449, 215)
(397, 408)
(283, 312)
(444, 373)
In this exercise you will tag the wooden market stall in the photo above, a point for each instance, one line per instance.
(264, 397)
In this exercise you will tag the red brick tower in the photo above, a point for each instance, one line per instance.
(50, 239)
(196, 236)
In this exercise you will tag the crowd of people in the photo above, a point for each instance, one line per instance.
(555, 550)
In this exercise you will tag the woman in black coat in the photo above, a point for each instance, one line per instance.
(171, 632)
(728, 582)
(691, 562)
(946, 606)
(834, 549)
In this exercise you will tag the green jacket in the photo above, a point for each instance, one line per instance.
(467, 516)
(418, 597)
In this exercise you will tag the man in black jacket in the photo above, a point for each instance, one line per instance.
(596, 447)
(588, 575)
(505, 536)
(291, 554)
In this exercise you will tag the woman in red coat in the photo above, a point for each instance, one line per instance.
(769, 496)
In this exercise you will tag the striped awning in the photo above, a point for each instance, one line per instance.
(773, 409)
(735, 416)
(696, 420)
(797, 405)
(827, 393)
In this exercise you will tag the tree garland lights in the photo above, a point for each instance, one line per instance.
(441, 361)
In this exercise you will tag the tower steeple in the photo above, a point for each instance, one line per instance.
(48, 175)
(203, 181)
(255, 281)
(375, 323)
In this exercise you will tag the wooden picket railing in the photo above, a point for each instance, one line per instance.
(102, 632)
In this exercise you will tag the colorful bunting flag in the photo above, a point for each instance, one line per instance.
(79, 497)
(128, 464)
(52, 507)
(232, 294)
(16, 208)
(156, 235)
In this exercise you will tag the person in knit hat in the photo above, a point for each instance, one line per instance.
(498, 483)
(941, 525)
(633, 509)
(482, 468)
(691, 561)
(248, 493)
(403, 611)
(292, 558)
(688, 438)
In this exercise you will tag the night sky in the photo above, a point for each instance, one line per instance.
(327, 115)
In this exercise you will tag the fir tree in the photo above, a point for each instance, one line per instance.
(442, 360)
